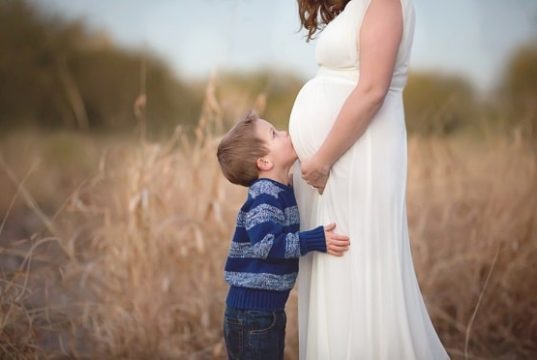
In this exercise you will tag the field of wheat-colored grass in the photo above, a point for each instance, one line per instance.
(126, 260)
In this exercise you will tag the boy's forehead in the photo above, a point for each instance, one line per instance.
(262, 125)
(262, 129)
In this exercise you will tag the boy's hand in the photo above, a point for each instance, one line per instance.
(335, 244)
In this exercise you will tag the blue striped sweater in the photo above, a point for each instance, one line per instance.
(262, 263)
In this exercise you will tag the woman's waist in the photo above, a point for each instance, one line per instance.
(352, 74)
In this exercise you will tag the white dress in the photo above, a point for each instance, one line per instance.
(367, 304)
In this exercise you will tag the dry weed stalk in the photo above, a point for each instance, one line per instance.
(143, 244)
(151, 263)
(473, 218)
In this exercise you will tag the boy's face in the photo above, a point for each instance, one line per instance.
(281, 150)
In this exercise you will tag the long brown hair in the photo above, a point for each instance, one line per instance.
(315, 14)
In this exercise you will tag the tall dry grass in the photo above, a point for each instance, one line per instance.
(473, 221)
(131, 263)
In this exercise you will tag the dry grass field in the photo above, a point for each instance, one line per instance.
(114, 247)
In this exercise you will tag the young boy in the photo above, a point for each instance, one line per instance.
(262, 263)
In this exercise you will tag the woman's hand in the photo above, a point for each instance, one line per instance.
(315, 173)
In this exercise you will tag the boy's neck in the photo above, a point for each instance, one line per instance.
(279, 175)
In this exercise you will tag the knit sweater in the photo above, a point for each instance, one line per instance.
(262, 263)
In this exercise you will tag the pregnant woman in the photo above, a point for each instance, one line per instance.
(348, 128)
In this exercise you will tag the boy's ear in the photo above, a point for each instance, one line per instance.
(264, 164)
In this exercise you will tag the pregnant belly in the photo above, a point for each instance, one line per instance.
(316, 107)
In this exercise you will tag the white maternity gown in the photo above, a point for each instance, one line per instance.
(366, 304)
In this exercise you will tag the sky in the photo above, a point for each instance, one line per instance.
(472, 38)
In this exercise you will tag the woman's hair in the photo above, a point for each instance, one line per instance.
(315, 14)
(239, 150)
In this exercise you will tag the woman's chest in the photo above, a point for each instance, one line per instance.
(337, 45)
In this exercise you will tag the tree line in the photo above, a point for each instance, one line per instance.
(55, 73)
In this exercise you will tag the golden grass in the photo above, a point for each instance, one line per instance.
(473, 221)
(131, 264)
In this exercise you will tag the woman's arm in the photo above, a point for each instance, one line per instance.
(380, 36)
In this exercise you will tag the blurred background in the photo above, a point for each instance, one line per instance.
(116, 219)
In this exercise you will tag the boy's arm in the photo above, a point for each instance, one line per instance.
(264, 225)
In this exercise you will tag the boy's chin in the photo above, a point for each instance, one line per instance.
(293, 159)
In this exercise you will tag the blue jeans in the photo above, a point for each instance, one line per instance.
(254, 334)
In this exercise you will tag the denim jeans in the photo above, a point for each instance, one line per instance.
(254, 334)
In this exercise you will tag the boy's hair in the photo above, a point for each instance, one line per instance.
(239, 150)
